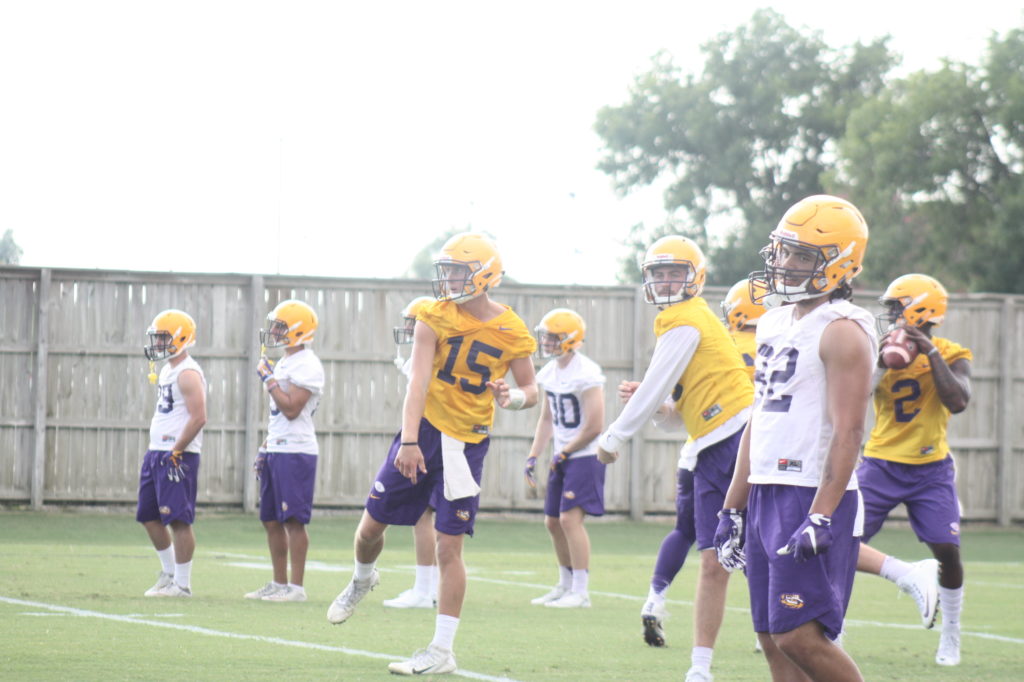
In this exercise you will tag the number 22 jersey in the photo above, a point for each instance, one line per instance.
(469, 353)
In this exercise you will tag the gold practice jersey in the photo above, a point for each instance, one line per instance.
(746, 342)
(714, 386)
(910, 419)
(469, 353)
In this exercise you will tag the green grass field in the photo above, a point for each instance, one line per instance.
(71, 587)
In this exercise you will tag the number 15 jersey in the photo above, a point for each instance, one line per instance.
(790, 427)
(469, 353)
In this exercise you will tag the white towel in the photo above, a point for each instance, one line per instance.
(458, 479)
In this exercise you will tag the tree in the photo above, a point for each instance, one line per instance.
(939, 159)
(736, 146)
(10, 252)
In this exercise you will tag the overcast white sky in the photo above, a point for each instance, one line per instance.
(338, 138)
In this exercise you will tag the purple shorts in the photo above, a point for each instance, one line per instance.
(576, 482)
(785, 594)
(684, 506)
(711, 479)
(928, 491)
(161, 498)
(394, 500)
(286, 486)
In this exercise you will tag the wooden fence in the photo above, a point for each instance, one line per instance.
(75, 404)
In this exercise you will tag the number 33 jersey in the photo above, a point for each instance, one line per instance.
(171, 415)
(790, 427)
(565, 387)
(469, 353)
(910, 419)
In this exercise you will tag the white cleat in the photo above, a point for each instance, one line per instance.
(344, 605)
(265, 591)
(573, 600)
(922, 583)
(696, 674)
(652, 616)
(557, 592)
(162, 581)
(410, 599)
(174, 590)
(430, 661)
(287, 593)
(949, 647)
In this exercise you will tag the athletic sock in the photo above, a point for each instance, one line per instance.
(700, 657)
(565, 576)
(893, 569)
(363, 571)
(424, 576)
(167, 559)
(950, 602)
(444, 631)
(580, 580)
(183, 574)
(656, 597)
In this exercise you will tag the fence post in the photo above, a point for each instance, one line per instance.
(253, 395)
(42, 351)
(1004, 478)
(637, 468)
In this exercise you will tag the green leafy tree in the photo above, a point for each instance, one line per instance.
(10, 252)
(938, 158)
(741, 142)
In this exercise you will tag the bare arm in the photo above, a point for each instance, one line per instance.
(290, 402)
(593, 419)
(409, 460)
(846, 353)
(952, 382)
(545, 429)
(526, 381)
(194, 392)
(739, 488)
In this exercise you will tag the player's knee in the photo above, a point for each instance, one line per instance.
(552, 523)
(791, 643)
(947, 553)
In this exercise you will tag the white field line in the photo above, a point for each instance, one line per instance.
(56, 608)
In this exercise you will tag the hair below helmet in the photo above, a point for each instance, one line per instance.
(564, 325)
(290, 323)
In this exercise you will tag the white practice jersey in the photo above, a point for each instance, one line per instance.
(790, 428)
(171, 415)
(564, 387)
(302, 369)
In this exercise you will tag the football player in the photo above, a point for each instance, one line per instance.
(423, 593)
(286, 463)
(698, 365)
(907, 457)
(740, 314)
(572, 415)
(463, 345)
(791, 509)
(170, 468)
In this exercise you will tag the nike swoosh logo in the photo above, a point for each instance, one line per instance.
(504, 329)
(809, 532)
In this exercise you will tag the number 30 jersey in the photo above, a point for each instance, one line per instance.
(171, 415)
(469, 353)
(565, 387)
(790, 427)
(910, 419)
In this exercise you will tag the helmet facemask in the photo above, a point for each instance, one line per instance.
(403, 334)
(670, 283)
(277, 335)
(891, 317)
(161, 345)
(795, 270)
(455, 281)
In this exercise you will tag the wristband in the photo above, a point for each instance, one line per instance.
(516, 399)
(935, 349)
(271, 385)
(410, 442)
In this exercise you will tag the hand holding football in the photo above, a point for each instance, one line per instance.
(899, 351)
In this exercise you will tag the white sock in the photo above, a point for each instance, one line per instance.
(297, 588)
(277, 584)
(893, 569)
(183, 574)
(363, 571)
(424, 576)
(167, 559)
(444, 631)
(565, 576)
(657, 598)
(950, 602)
(700, 657)
(580, 581)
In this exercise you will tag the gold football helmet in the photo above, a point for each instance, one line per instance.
(916, 299)
(668, 255)
(739, 309)
(467, 266)
(171, 332)
(560, 331)
(403, 334)
(290, 323)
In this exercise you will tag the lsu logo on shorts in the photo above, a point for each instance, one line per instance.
(570, 495)
(165, 510)
(791, 601)
(462, 515)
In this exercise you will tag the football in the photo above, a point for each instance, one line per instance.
(898, 351)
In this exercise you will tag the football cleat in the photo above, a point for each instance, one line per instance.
(949, 647)
(174, 590)
(411, 599)
(922, 583)
(430, 661)
(287, 593)
(265, 591)
(344, 605)
(652, 616)
(162, 581)
(696, 674)
(557, 592)
(572, 600)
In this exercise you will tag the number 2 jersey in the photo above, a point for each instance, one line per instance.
(790, 428)
(910, 419)
(302, 369)
(564, 387)
(469, 353)
(171, 415)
